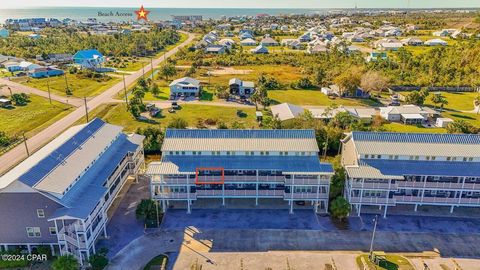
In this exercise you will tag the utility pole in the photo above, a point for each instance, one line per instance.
(373, 235)
(66, 83)
(11, 93)
(25, 142)
(151, 66)
(86, 108)
(48, 86)
(125, 90)
(143, 69)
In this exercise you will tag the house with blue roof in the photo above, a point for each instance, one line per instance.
(4, 33)
(246, 165)
(89, 59)
(59, 196)
(411, 170)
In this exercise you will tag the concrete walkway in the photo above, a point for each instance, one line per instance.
(20, 88)
(18, 153)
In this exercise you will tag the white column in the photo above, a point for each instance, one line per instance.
(451, 209)
(385, 211)
(52, 249)
(223, 194)
(29, 248)
(291, 193)
(318, 194)
(188, 194)
(256, 198)
(416, 206)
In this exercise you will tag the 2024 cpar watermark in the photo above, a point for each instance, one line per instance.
(23, 257)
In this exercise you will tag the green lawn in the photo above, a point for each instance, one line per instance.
(314, 98)
(33, 117)
(398, 127)
(460, 101)
(473, 118)
(400, 262)
(157, 261)
(80, 86)
(118, 115)
(128, 63)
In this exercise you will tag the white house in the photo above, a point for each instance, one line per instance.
(248, 42)
(268, 41)
(185, 86)
(436, 42)
(408, 114)
(260, 49)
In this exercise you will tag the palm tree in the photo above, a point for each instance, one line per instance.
(437, 98)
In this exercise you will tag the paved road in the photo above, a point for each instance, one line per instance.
(20, 88)
(17, 154)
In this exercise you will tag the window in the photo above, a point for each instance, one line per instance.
(40, 213)
(194, 152)
(261, 153)
(228, 153)
(303, 153)
(470, 159)
(218, 153)
(428, 157)
(286, 153)
(52, 230)
(411, 157)
(267, 153)
(213, 153)
(176, 152)
(281, 153)
(183, 152)
(372, 156)
(454, 158)
(366, 156)
(449, 158)
(379, 156)
(390, 157)
(434, 157)
(33, 232)
(396, 156)
(417, 157)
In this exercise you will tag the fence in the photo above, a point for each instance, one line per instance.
(435, 88)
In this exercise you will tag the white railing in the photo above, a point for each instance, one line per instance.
(176, 180)
(384, 186)
(305, 195)
(273, 193)
(439, 185)
(439, 200)
(306, 181)
(372, 200)
(174, 195)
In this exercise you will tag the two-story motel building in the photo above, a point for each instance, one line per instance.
(59, 196)
(390, 169)
(240, 164)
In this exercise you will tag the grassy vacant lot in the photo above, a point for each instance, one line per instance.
(473, 118)
(315, 98)
(33, 117)
(80, 86)
(459, 101)
(400, 262)
(397, 127)
(118, 115)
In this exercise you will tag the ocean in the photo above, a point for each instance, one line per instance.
(127, 14)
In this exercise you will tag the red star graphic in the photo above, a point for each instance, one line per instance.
(142, 14)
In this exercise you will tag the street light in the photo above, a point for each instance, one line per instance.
(373, 234)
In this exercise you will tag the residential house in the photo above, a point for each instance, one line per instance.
(227, 42)
(375, 56)
(436, 42)
(248, 42)
(241, 88)
(185, 86)
(60, 195)
(260, 49)
(43, 72)
(215, 164)
(412, 41)
(443, 122)
(291, 43)
(387, 46)
(268, 41)
(408, 114)
(215, 49)
(246, 35)
(89, 59)
(411, 170)
(286, 111)
(317, 48)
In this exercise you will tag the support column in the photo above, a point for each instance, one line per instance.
(223, 194)
(52, 249)
(416, 206)
(29, 248)
(188, 195)
(359, 209)
(318, 194)
(291, 193)
(256, 198)
(451, 209)
(105, 230)
(385, 211)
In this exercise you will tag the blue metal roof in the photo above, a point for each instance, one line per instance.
(417, 137)
(241, 133)
(46, 165)
(279, 163)
(87, 54)
(89, 189)
(416, 167)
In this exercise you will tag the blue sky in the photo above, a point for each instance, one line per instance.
(249, 3)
